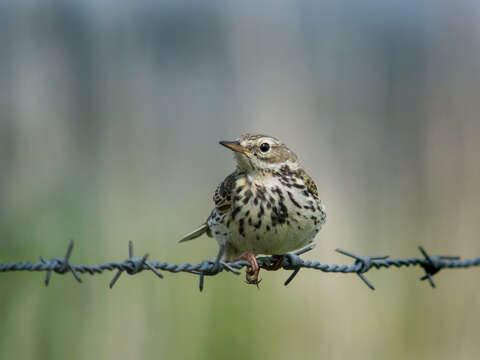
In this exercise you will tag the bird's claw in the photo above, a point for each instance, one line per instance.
(275, 265)
(251, 274)
(252, 277)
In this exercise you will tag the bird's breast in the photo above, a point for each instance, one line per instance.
(268, 217)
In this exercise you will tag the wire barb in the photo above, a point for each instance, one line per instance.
(295, 262)
(214, 268)
(134, 265)
(431, 264)
(364, 263)
(63, 267)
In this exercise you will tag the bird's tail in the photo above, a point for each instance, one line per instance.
(195, 233)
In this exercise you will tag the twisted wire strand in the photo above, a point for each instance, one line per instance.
(431, 264)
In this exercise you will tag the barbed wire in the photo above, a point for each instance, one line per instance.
(431, 264)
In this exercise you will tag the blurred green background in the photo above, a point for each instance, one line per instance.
(110, 113)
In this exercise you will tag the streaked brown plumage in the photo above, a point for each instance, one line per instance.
(268, 205)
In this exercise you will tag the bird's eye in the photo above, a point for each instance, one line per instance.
(264, 147)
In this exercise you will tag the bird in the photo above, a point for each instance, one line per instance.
(269, 205)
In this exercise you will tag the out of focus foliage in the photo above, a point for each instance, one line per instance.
(110, 113)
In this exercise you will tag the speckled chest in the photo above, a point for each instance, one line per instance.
(270, 214)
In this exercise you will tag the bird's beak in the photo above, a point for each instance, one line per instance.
(234, 146)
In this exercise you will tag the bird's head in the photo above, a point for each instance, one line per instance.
(260, 152)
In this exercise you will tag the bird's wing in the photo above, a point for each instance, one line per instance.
(223, 194)
(223, 204)
(312, 188)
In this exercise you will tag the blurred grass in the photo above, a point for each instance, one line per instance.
(109, 120)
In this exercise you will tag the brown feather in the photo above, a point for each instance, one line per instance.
(223, 194)
(311, 186)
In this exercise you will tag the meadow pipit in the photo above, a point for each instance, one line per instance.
(268, 205)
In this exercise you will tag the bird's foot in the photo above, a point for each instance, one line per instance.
(277, 264)
(253, 269)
